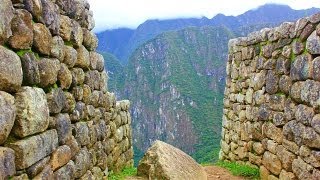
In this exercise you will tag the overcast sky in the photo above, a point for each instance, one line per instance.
(111, 14)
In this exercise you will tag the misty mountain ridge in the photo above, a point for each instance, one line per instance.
(122, 42)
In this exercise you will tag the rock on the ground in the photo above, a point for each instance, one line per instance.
(163, 161)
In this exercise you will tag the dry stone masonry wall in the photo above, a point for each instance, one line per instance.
(272, 101)
(57, 120)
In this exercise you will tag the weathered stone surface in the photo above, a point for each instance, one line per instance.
(46, 173)
(78, 76)
(64, 77)
(31, 74)
(35, 8)
(82, 162)
(10, 70)
(90, 40)
(22, 31)
(6, 15)
(76, 33)
(264, 172)
(7, 115)
(81, 133)
(285, 157)
(42, 38)
(38, 167)
(313, 43)
(63, 127)
(70, 103)
(284, 175)
(32, 112)
(70, 56)
(65, 172)
(31, 150)
(74, 146)
(7, 162)
(295, 92)
(48, 69)
(285, 84)
(304, 114)
(316, 69)
(56, 100)
(310, 157)
(272, 132)
(51, 16)
(301, 169)
(164, 161)
(272, 163)
(92, 79)
(272, 80)
(78, 112)
(297, 47)
(60, 157)
(301, 67)
(57, 48)
(65, 27)
(96, 61)
(83, 59)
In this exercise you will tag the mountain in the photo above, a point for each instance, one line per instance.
(175, 85)
(122, 42)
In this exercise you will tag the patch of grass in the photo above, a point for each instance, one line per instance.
(68, 43)
(237, 169)
(22, 52)
(128, 171)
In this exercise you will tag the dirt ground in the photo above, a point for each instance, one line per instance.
(219, 173)
(213, 172)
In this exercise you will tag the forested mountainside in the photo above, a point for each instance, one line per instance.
(122, 42)
(175, 83)
(175, 80)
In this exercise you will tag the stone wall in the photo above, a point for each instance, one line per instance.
(57, 120)
(272, 101)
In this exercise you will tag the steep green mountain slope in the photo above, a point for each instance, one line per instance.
(115, 71)
(123, 42)
(175, 84)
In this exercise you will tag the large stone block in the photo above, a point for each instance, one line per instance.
(304, 114)
(48, 69)
(30, 150)
(285, 157)
(22, 31)
(32, 112)
(7, 115)
(31, 74)
(272, 163)
(10, 70)
(272, 132)
(301, 68)
(313, 43)
(63, 127)
(82, 162)
(7, 164)
(163, 161)
(60, 157)
(6, 15)
(83, 59)
(301, 169)
(65, 172)
(42, 38)
(56, 100)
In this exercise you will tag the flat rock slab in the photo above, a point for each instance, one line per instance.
(163, 161)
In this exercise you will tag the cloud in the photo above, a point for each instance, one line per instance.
(110, 14)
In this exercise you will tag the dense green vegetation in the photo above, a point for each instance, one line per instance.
(115, 70)
(128, 171)
(240, 169)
